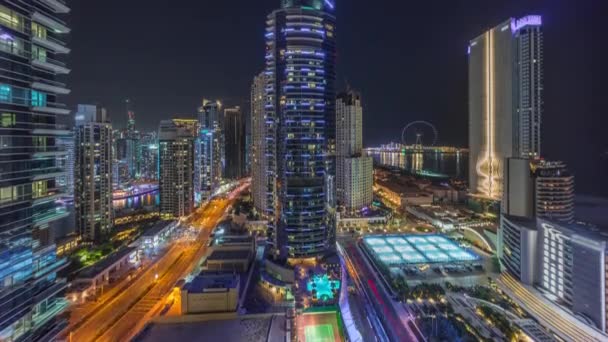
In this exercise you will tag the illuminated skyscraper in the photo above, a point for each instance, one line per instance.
(354, 175)
(259, 164)
(31, 46)
(130, 115)
(505, 100)
(209, 150)
(234, 143)
(93, 173)
(176, 167)
(300, 126)
(148, 156)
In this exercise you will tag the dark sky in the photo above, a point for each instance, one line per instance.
(408, 58)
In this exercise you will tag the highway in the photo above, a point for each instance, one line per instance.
(119, 318)
(397, 323)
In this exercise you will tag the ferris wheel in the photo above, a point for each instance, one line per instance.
(416, 133)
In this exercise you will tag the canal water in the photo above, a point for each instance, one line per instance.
(135, 203)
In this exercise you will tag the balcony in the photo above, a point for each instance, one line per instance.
(51, 65)
(51, 44)
(51, 88)
(52, 108)
(55, 24)
(50, 216)
(56, 5)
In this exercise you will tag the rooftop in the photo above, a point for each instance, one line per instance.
(404, 249)
(206, 281)
(230, 254)
(105, 263)
(158, 227)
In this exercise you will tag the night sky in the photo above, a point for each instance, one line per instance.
(408, 58)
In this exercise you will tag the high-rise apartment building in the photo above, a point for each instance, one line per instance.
(505, 100)
(234, 140)
(538, 188)
(554, 191)
(148, 160)
(176, 166)
(209, 150)
(354, 172)
(31, 45)
(65, 161)
(533, 188)
(93, 173)
(300, 126)
(259, 164)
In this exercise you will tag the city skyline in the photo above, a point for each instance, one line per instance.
(305, 170)
(438, 51)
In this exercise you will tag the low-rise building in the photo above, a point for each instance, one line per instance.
(92, 279)
(211, 293)
(152, 237)
(448, 218)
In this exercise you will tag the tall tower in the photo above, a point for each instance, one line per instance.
(130, 115)
(93, 173)
(505, 100)
(259, 164)
(354, 176)
(300, 111)
(234, 140)
(209, 150)
(176, 167)
(31, 46)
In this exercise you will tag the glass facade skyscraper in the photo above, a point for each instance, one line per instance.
(209, 150)
(30, 84)
(505, 100)
(300, 126)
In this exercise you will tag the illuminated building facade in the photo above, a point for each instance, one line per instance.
(554, 191)
(300, 126)
(148, 157)
(505, 100)
(234, 143)
(209, 150)
(176, 167)
(93, 173)
(259, 164)
(354, 171)
(66, 162)
(31, 44)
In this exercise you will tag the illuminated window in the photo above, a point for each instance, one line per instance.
(39, 189)
(38, 53)
(5, 93)
(38, 99)
(7, 120)
(8, 194)
(39, 30)
(11, 19)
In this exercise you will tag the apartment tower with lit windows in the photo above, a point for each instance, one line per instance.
(354, 176)
(93, 173)
(259, 166)
(505, 100)
(31, 83)
(300, 126)
(176, 166)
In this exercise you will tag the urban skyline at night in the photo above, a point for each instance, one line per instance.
(302, 171)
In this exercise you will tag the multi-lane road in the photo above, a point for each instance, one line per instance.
(119, 317)
(396, 323)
